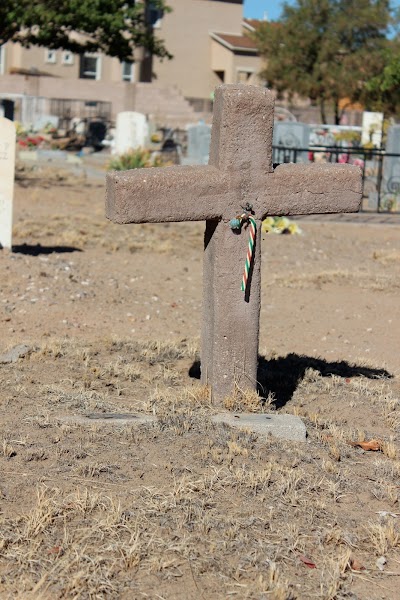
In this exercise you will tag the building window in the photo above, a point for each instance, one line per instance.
(50, 56)
(2, 59)
(154, 16)
(90, 66)
(128, 71)
(67, 58)
(158, 23)
(243, 76)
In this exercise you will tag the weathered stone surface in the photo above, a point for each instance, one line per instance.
(117, 419)
(7, 169)
(15, 353)
(239, 172)
(287, 427)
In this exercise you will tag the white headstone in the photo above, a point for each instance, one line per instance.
(7, 169)
(372, 124)
(44, 121)
(132, 131)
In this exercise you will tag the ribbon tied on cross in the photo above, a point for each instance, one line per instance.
(236, 225)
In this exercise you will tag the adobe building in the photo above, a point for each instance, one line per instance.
(208, 39)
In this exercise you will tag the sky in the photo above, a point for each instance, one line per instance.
(255, 9)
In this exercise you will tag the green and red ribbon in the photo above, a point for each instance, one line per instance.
(250, 252)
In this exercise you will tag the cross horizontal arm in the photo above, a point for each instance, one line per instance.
(298, 189)
(157, 195)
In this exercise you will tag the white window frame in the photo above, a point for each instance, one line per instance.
(2, 59)
(158, 23)
(98, 65)
(132, 76)
(67, 58)
(50, 56)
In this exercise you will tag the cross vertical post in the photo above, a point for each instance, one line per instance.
(241, 146)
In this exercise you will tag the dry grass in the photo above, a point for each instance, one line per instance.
(83, 231)
(379, 282)
(387, 256)
(183, 504)
(182, 508)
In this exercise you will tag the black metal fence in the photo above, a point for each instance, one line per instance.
(380, 171)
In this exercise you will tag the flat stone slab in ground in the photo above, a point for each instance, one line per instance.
(15, 353)
(286, 427)
(108, 419)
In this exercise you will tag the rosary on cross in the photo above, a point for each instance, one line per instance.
(236, 224)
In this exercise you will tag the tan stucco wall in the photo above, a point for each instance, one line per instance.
(186, 35)
(121, 94)
(250, 64)
(223, 59)
(186, 32)
(12, 56)
(35, 57)
(17, 57)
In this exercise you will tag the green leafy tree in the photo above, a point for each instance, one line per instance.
(382, 92)
(114, 27)
(326, 50)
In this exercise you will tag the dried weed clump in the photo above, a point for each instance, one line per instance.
(77, 543)
(383, 536)
(380, 281)
(248, 401)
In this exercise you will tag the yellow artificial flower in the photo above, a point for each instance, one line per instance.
(294, 228)
(268, 225)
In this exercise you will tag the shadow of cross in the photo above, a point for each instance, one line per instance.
(239, 171)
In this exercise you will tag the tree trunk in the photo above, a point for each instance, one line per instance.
(337, 111)
(322, 110)
(146, 65)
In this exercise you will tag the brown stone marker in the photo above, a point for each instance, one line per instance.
(239, 172)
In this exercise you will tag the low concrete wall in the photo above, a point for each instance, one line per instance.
(120, 94)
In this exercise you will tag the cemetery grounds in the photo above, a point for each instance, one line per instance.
(183, 508)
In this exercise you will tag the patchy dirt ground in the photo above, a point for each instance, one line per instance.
(182, 508)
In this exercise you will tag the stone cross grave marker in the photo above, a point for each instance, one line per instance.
(7, 169)
(239, 172)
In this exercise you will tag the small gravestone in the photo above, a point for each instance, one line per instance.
(233, 194)
(44, 121)
(391, 166)
(372, 200)
(198, 149)
(372, 125)
(321, 135)
(132, 132)
(292, 135)
(7, 169)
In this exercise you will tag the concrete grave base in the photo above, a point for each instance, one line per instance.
(117, 419)
(286, 427)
